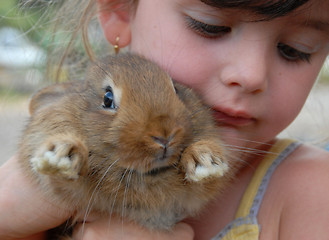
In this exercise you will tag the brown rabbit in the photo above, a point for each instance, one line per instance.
(126, 141)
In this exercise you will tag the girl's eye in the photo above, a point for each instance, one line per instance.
(108, 101)
(207, 30)
(292, 54)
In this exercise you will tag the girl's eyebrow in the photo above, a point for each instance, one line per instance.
(320, 25)
(317, 24)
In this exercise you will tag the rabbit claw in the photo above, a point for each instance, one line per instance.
(203, 160)
(63, 157)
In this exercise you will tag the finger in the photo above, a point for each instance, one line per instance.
(183, 231)
(24, 204)
(116, 228)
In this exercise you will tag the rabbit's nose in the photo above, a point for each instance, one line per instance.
(163, 142)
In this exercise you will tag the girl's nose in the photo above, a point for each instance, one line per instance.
(247, 68)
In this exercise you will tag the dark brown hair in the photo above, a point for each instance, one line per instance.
(269, 9)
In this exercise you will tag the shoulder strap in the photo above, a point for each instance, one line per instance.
(254, 194)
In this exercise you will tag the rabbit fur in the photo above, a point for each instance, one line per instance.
(125, 141)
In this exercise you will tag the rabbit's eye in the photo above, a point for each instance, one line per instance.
(176, 90)
(108, 101)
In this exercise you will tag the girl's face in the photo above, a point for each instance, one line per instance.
(255, 75)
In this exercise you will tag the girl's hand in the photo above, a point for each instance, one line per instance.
(115, 228)
(25, 210)
(26, 213)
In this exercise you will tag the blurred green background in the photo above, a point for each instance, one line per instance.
(24, 40)
(27, 39)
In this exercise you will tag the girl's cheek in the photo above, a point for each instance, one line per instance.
(188, 69)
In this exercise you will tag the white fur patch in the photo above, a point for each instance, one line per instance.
(214, 170)
(50, 164)
(208, 168)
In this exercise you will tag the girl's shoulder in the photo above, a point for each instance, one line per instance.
(306, 174)
(307, 165)
(303, 180)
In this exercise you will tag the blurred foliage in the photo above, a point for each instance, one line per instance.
(324, 74)
(29, 16)
(35, 19)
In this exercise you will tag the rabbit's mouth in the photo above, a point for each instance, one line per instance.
(157, 171)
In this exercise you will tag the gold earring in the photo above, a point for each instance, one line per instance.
(116, 46)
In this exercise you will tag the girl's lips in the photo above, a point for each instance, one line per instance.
(238, 119)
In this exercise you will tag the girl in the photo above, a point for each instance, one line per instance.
(254, 63)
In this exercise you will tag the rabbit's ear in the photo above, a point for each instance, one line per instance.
(50, 95)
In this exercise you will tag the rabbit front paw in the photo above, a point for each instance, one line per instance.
(202, 160)
(63, 156)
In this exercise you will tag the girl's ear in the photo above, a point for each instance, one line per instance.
(115, 23)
